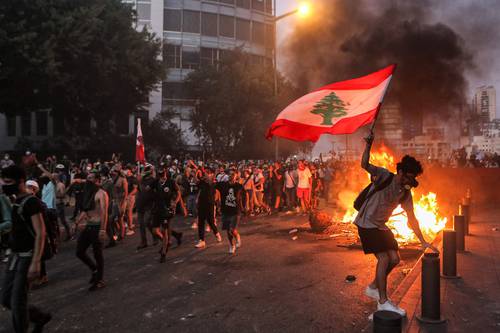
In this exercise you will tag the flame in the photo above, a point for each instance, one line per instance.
(426, 208)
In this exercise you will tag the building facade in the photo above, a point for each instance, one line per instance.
(194, 34)
(484, 103)
(201, 33)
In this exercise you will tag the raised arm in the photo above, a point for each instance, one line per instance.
(365, 159)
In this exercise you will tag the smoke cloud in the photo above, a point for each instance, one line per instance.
(354, 38)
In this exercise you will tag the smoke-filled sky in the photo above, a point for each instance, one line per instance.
(470, 29)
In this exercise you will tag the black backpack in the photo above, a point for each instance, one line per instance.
(366, 194)
(51, 229)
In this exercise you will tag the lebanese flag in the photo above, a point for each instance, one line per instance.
(139, 144)
(338, 108)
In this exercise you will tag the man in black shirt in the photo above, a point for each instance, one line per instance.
(144, 205)
(231, 207)
(27, 240)
(167, 194)
(277, 183)
(206, 208)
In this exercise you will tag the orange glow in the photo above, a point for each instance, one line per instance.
(426, 208)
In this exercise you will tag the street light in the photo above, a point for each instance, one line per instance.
(302, 10)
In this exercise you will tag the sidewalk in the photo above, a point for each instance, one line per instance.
(472, 303)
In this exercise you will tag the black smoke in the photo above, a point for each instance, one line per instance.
(347, 39)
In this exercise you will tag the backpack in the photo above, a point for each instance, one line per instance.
(366, 194)
(51, 234)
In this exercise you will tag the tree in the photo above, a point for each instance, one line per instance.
(330, 107)
(82, 59)
(163, 136)
(235, 106)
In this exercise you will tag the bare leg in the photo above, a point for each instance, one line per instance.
(381, 275)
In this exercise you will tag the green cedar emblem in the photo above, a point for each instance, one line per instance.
(330, 106)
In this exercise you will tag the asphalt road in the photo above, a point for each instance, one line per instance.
(272, 284)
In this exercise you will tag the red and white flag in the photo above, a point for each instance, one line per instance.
(338, 108)
(139, 144)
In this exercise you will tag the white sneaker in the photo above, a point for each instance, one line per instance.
(207, 228)
(372, 293)
(194, 226)
(238, 242)
(389, 306)
(200, 245)
(219, 237)
(130, 232)
(232, 249)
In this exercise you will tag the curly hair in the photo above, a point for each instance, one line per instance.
(409, 164)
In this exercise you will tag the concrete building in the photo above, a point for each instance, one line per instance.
(194, 34)
(201, 33)
(484, 103)
(389, 126)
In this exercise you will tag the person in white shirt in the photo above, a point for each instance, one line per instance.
(304, 186)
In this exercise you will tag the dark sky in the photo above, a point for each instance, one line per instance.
(476, 21)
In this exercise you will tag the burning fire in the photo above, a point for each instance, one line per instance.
(426, 208)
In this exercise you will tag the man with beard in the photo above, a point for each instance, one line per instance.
(206, 208)
(93, 221)
(231, 207)
(167, 195)
(375, 205)
(27, 240)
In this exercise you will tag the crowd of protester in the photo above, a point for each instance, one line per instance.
(100, 203)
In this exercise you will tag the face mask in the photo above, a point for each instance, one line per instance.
(10, 189)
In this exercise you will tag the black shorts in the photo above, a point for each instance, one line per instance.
(230, 222)
(376, 240)
(160, 221)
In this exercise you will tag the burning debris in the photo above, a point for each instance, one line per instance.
(340, 223)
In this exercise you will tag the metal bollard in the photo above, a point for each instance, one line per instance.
(387, 322)
(459, 227)
(464, 210)
(450, 254)
(431, 299)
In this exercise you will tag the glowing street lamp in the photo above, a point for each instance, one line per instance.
(303, 11)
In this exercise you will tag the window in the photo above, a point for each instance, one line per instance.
(258, 32)
(242, 29)
(144, 11)
(270, 36)
(172, 55)
(269, 6)
(42, 123)
(226, 26)
(11, 125)
(224, 54)
(175, 90)
(191, 21)
(208, 56)
(258, 5)
(209, 24)
(243, 3)
(26, 124)
(172, 20)
(190, 58)
(229, 2)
